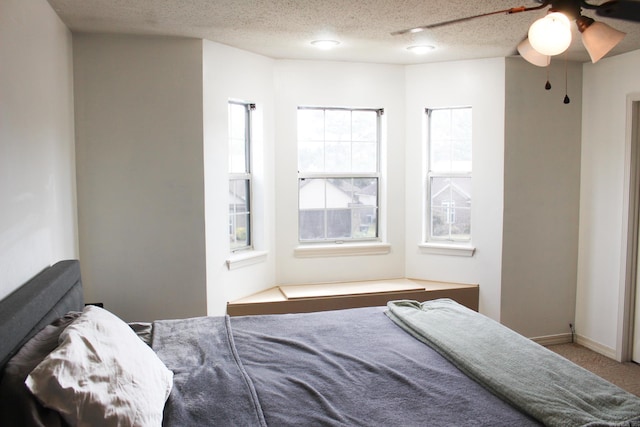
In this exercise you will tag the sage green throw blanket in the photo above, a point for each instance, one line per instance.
(530, 377)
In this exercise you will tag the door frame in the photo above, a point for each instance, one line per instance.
(631, 228)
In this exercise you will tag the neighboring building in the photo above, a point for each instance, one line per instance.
(351, 209)
(451, 203)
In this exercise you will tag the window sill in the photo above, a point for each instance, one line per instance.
(447, 249)
(346, 249)
(245, 259)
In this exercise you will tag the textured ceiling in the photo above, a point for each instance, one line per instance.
(284, 28)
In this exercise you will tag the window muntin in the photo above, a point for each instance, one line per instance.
(240, 175)
(338, 174)
(449, 174)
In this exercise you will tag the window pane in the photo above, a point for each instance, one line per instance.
(237, 138)
(311, 194)
(461, 123)
(239, 231)
(462, 186)
(311, 224)
(461, 155)
(440, 157)
(461, 139)
(338, 157)
(337, 125)
(439, 124)
(461, 196)
(364, 223)
(351, 192)
(450, 140)
(450, 208)
(339, 224)
(239, 220)
(239, 188)
(364, 126)
(311, 156)
(461, 229)
(439, 227)
(339, 193)
(364, 157)
(236, 120)
(365, 192)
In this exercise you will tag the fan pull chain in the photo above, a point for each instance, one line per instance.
(566, 96)
(547, 85)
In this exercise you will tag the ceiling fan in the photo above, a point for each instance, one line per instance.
(551, 35)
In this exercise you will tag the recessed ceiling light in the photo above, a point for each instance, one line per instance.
(421, 49)
(325, 44)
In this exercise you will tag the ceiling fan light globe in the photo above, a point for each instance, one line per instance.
(551, 35)
(531, 55)
(599, 38)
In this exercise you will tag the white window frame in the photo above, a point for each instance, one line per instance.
(302, 175)
(438, 244)
(243, 176)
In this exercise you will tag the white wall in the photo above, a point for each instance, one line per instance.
(37, 171)
(235, 74)
(479, 84)
(140, 167)
(541, 198)
(606, 87)
(346, 85)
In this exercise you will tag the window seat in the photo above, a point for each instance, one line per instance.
(334, 296)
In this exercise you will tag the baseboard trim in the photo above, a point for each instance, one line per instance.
(597, 347)
(583, 341)
(552, 339)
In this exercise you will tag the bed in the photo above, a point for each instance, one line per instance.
(407, 364)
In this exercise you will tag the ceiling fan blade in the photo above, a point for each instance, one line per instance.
(620, 9)
(442, 24)
(512, 10)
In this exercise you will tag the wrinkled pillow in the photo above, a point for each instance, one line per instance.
(102, 374)
(18, 407)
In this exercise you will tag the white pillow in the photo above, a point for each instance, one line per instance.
(102, 374)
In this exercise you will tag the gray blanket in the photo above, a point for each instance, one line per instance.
(529, 376)
(338, 368)
(210, 387)
(356, 368)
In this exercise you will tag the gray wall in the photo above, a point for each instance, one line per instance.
(541, 198)
(140, 174)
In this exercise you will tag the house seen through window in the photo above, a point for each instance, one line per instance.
(240, 175)
(338, 174)
(449, 174)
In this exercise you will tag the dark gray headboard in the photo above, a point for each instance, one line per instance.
(51, 294)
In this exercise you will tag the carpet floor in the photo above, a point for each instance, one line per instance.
(624, 375)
